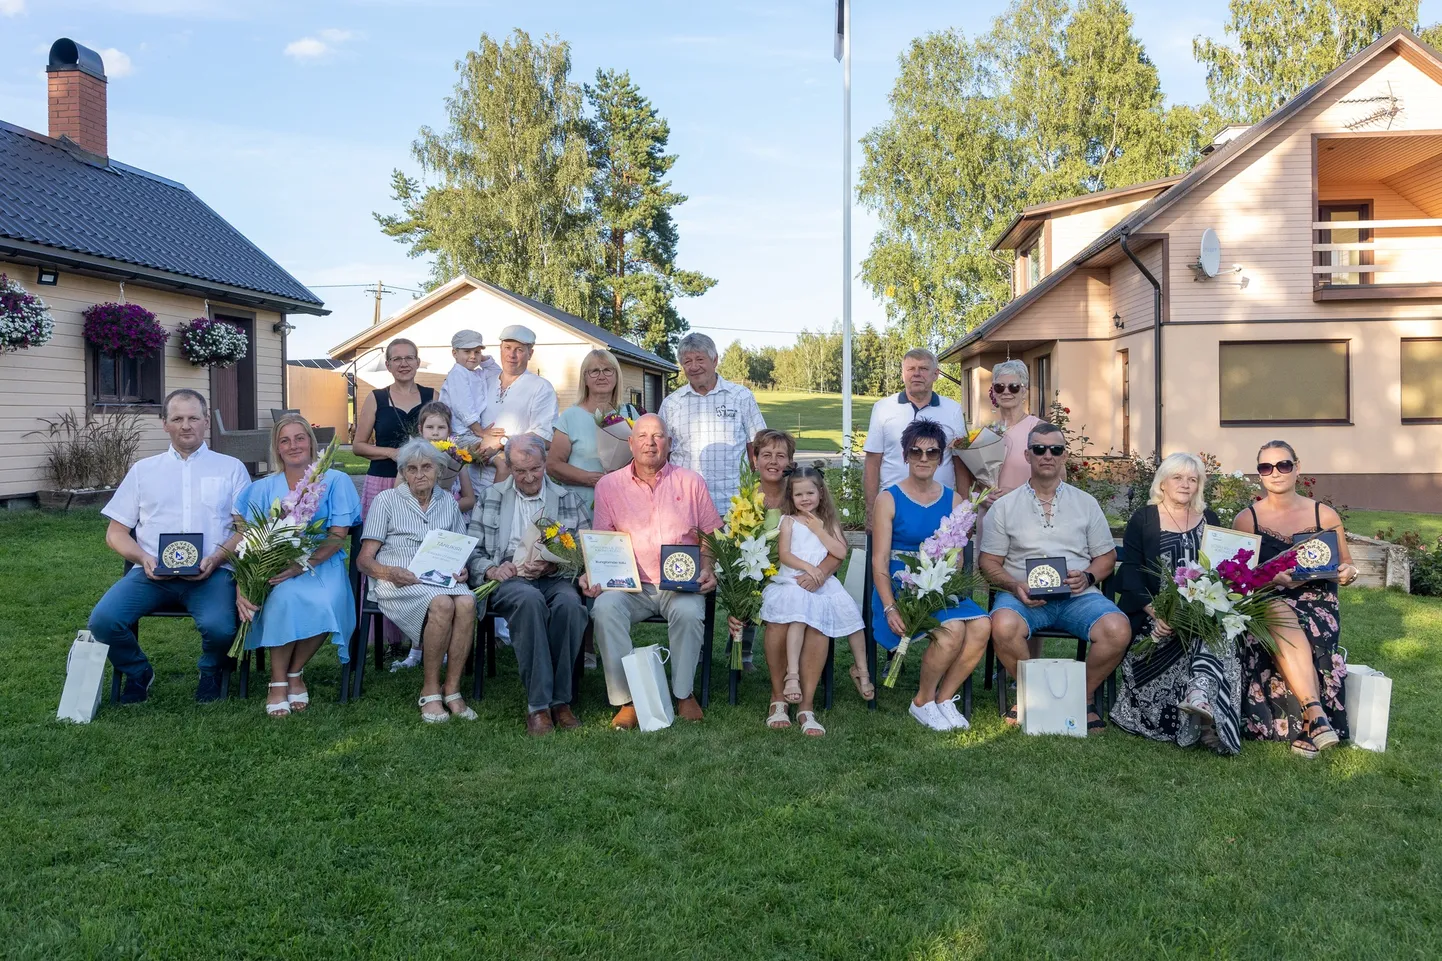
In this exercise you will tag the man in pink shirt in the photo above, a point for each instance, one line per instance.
(657, 503)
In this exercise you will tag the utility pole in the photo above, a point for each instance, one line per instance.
(380, 289)
(843, 17)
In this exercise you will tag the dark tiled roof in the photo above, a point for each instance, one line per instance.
(58, 198)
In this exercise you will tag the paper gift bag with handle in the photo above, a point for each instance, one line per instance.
(84, 679)
(650, 692)
(1051, 696)
(1369, 705)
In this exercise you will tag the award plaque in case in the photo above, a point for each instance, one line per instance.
(179, 554)
(1046, 577)
(680, 567)
(1318, 557)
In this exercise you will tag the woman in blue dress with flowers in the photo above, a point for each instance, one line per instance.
(903, 516)
(310, 604)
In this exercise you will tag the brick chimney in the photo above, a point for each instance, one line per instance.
(76, 80)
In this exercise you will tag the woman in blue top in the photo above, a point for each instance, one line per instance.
(573, 458)
(304, 607)
(903, 516)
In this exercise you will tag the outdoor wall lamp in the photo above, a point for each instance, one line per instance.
(1117, 321)
(282, 327)
(48, 276)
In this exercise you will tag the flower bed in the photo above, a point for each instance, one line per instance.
(24, 318)
(124, 330)
(207, 342)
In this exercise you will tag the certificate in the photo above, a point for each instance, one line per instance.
(1222, 544)
(610, 561)
(441, 554)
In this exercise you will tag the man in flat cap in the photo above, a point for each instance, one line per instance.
(520, 402)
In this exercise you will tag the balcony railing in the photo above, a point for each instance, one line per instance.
(1409, 266)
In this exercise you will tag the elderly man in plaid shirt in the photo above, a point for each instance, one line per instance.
(545, 611)
(712, 422)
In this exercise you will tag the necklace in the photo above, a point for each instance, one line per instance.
(1181, 528)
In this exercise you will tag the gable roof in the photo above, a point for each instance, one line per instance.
(1036, 213)
(61, 205)
(1403, 40)
(371, 336)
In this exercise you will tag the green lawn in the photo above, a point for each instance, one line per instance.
(350, 462)
(170, 830)
(814, 419)
(1368, 523)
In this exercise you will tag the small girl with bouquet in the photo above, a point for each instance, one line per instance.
(800, 596)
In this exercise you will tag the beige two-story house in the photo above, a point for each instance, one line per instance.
(1289, 286)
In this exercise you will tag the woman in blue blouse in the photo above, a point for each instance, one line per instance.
(305, 608)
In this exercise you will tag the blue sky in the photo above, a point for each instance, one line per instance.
(287, 117)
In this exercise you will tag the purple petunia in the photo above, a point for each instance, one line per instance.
(124, 330)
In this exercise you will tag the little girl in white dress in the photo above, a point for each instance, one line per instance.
(810, 531)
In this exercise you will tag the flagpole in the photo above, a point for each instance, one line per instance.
(846, 237)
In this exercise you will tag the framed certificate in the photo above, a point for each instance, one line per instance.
(610, 561)
(1222, 544)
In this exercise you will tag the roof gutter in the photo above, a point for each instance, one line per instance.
(1156, 337)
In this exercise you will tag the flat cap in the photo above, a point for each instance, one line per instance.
(519, 333)
(467, 339)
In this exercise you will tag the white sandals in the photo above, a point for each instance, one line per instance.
(780, 717)
(809, 727)
(468, 714)
(297, 702)
(279, 708)
(433, 718)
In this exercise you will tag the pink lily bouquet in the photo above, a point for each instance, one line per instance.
(1217, 606)
(288, 533)
(933, 580)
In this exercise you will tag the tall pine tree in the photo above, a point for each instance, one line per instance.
(637, 286)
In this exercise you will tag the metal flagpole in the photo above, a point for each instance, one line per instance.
(844, 22)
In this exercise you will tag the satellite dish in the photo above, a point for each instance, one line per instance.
(1211, 258)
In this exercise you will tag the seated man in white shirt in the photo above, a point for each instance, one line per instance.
(189, 489)
(466, 391)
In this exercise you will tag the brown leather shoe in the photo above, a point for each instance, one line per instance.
(538, 723)
(625, 719)
(563, 717)
(689, 709)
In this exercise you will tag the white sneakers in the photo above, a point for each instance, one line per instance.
(940, 717)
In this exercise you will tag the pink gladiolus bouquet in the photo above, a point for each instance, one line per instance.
(287, 534)
(933, 580)
(1217, 606)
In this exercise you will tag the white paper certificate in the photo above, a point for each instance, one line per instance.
(1222, 544)
(610, 561)
(441, 554)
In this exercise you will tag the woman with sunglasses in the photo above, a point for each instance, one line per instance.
(1009, 394)
(904, 515)
(1295, 695)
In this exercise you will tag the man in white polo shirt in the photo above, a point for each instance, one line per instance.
(189, 489)
(521, 402)
(885, 460)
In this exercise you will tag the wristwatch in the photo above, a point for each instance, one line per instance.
(1091, 578)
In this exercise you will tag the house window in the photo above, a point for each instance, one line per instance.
(652, 401)
(126, 380)
(1041, 382)
(1342, 234)
(966, 383)
(1285, 382)
(1422, 381)
(1035, 253)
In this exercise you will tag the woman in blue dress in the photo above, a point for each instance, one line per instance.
(903, 516)
(305, 608)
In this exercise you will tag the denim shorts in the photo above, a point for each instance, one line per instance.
(1075, 615)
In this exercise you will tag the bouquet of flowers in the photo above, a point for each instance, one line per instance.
(745, 553)
(459, 459)
(933, 580)
(613, 433)
(271, 541)
(557, 544)
(207, 342)
(124, 330)
(1218, 605)
(24, 318)
(982, 451)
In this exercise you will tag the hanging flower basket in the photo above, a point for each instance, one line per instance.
(24, 318)
(127, 330)
(207, 342)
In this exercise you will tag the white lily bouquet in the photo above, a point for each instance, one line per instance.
(745, 553)
(1217, 606)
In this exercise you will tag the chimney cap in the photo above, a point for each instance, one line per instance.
(66, 54)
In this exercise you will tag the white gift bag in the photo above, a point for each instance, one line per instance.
(650, 692)
(84, 679)
(1369, 704)
(1051, 696)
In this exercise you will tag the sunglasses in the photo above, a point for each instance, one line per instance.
(1008, 388)
(1282, 466)
(925, 453)
(1057, 450)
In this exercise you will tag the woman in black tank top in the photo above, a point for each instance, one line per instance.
(387, 419)
(1295, 695)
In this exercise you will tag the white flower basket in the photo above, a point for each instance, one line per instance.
(24, 319)
(207, 342)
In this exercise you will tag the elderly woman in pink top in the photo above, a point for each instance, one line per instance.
(657, 503)
(1009, 394)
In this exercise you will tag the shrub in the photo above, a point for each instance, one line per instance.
(1426, 563)
(89, 453)
(846, 489)
(1089, 472)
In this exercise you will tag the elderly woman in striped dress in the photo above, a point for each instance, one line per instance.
(441, 618)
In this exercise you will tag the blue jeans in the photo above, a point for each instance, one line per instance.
(1075, 615)
(211, 603)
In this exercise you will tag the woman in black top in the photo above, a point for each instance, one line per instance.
(1296, 695)
(389, 416)
(1179, 691)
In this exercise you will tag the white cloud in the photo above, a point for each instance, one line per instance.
(11, 8)
(117, 62)
(318, 47)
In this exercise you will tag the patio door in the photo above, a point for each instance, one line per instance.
(232, 389)
(1341, 214)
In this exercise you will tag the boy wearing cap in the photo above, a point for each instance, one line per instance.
(466, 391)
(520, 402)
